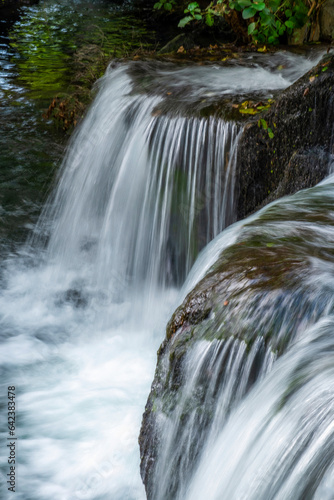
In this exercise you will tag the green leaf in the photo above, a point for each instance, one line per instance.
(269, 245)
(248, 13)
(198, 17)
(288, 13)
(267, 11)
(261, 38)
(248, 111)
(259, 6)
(289, 24)
(251, 28)
(325, 68)
(185, 21)
(264, 124)
(193, 6)
(274, 4)
(168, 6)
(273, 38)
(157, 5)
(266, 20)
(245, 3)
(209, 20)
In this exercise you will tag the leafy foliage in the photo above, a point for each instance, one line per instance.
(265, 20)
(272, 19)
(166, 4)
(253, 108)
(194, 13)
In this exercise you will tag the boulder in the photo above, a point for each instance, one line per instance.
(251, 305)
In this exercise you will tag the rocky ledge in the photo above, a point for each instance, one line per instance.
(258, 296)
(299, 154)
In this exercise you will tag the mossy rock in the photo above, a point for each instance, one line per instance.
(184, 40)
(260, 289)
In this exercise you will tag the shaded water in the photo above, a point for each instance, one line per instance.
(84, 303)
(39, 50)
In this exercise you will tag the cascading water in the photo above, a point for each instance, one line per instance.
(232, 421)
(138, 196)
(130, 177)
(84, 304)
(278, 443)
(230, 370)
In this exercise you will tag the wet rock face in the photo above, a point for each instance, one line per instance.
(259, 288)
(299, 154)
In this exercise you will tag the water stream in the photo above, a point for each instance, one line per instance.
(278, 443)
(84, 302)
(234, 419)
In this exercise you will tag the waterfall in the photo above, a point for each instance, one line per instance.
(242, 401)
(148, 181)
(141, 194)
(279, 442)
(216, 376)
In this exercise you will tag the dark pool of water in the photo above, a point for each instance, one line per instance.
(37, 44)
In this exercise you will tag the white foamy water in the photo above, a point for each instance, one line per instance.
(252, 73)
(83, 307)
(248, 424)
(279, 441)
(81, 377)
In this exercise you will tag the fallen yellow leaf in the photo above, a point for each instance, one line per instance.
(249, 111)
